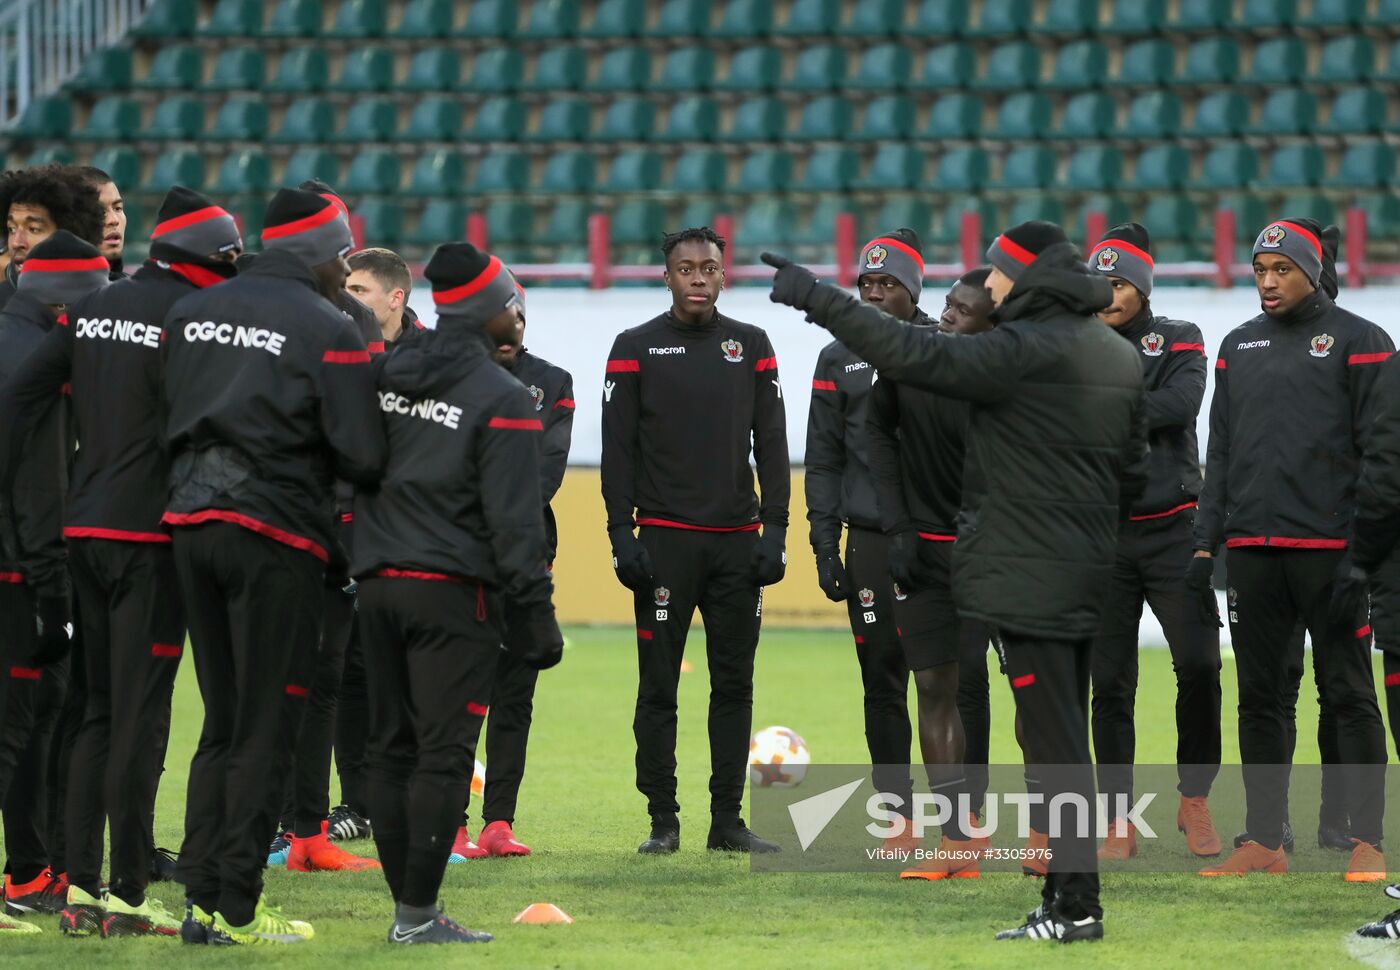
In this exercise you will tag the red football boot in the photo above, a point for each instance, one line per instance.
(463, 848)
(319, 854)
(498, 840)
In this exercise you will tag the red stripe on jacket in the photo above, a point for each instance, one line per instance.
(116, 535)
(624, 367)
(1285, 542)
(670, 524)
(516, 424)
(249, 523)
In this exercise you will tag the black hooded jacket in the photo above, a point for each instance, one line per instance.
(9, 283)
(1057, 448)
(460, 498)
(552, 391)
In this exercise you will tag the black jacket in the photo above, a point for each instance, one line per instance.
(461, 494)
(682, 408)
(1057, 442)
(552, 392)
(31, 501)
(1378, 485)
(1173, 356)
(1288, 424)
(9, 283)
(269, 396)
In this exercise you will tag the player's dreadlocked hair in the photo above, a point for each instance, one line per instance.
(67, 194)
(693, 234)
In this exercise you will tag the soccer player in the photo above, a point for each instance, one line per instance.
(1293, 395)
(35, 202)
(686, 398)
(456, 528)
(1056, 453)
(379, 278)
(269, 393)
(1151, 546)
(109, 196)
(120, 559)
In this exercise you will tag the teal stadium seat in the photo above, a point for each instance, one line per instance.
(365, 69)
(497, 119)
(751, 69)
(1082, 64)
(1070, 17)
(939, 18)
(311, 163)
(1023, 116)
(954, 116)
(1287, 111)
(1201, 15)
(1382, 213)
(1346, 60)
(567, 223)
(960, 170)
(1293, 165)
(1265, 14)
(1335, 13)
(884, 67)
(301, 70)
(812, 18)
(175, 68)
(744, 18)
(165, 19)
(1229, 165)
(638, 222)
(1114, 208)
(425, 19)
(1161, 167)
(49, 155)
(382, 220)
(1249, 212)
(557, 69)
(686, 69)
(433, 118)
(48, 117)
(766, 170)
(623, 69)
(242, 117)
(1369, 165)
(120, 162)
(948, 230)
(699, 170)
(567, 172)
(114, 118)
(757, 119)
(1087, 116)
(1146, 63)
(368, 120)
(617, 18)
(176, 118)
(691, 119)
(1011, 67)
(1214, 60)
(103, 71)
(895, 166)
(357, 19)
(945, 66)
(999, 18)
(681, 18)
(1154, 114)
(440, 220)
(820, 67)
(1311, 205)
(912, 212)
(305, 120)
(495, 70)
(243, 172)
(1387, 14)
(294, 18)
(1391, 71)
(177, 166)
(627, 119)
(1219, 115)
(234, 18)
(875, 18)
(767, 223)
(1028, 167)
(562, 119)
(1281, 60)
(888, 118)
(831, 169)
(638, 170)
(237, 69)
(491, 20)
(1027, 206)
(1172, 217)
(1094, 168)
(432, 69)
(373, 171)
(500, 172)
(1355, 111)
(551, 19)
(819, 226)
(824, 119)
(1136, 17)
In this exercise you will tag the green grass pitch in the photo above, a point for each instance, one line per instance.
(583, 817)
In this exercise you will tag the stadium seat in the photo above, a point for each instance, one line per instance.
(491, 20)
(638, 222)
(496, 70)
(357, 19)
(242, 172)
(1292, 165)
(1070, 17)
(961, 170)
(49, 155)
(884, 67)
(811, 18)
(234, 18)
(1334, 13)
(382, 220)
(1011, 67)
(566, 118)
(744, 18)
(1355, 111)
(751, 69)
(686, 69)
(294, 18)
(1265, 14)
(889, 118)
(112, 118)
(441, 219)
(305, 120)
(567, 172)
(300, 70)
(1281, 60)
(497, 119)
(1346, 60)
(433, 118)
(557, 69)
(1287, 111)
(681, 18)
(767, 223)
(175, 68)
(365, 69)
(948, 230)
(103, 71)
(1029, 167)
(1391, 71)
(819, 67)
(1198, 15)
(757, 119)
(311, 163)
(49, 117)
(432, 69)
(1369, 165)
(1113, 208)
(638, 170)
(1249, 212)
(1309, 205)
(177, 118)
(875, 18)
(945, 66)
(179, 166)
(1214, 60)
(1229, 165)
(120, 162)
(1136, 17)
(998, 18)
(551, 19)
(1382, 214)
(956, 116)
(567, 222)
(895, 166)
(1146, 63)
(373, 171)
(829, 170)
(818, 228)
(368, 120)
(1027, 206)
(1082, 64)
(1221, 114)
(1087, 116)
(1155, 114)
(425, 19)
(824, 119)
(691, 119)
(1022, 116)
(913, 212)
(627, 119)
(700, 170)
(242, 117)
(766, 170)
(500, 171)
(1094, 168)
(939, 18)
(166, 18)
(1161, 167)
(1387, 14)
(617, 18)
(622, 69)
(1171, 217)
(237, 69)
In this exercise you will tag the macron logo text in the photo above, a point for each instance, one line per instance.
(665, 350)
(447, 415)
(1252, 344)
(127, 331)
(238, 336)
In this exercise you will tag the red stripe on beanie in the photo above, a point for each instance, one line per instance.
(89, 265)
(1127, 246)
(459, 293)
(1016, 251)
(190, 219)
(903, 247)
(1316, 243)
(317, 219)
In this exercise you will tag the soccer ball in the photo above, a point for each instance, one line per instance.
(478, 779)
(778, 758)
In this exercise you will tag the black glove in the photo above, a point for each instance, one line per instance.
(1200, 579)
(769, 560)
(52, 619)
(792, 284)
(631, 561)
(907, 567)
(532, 634)
(1349, 601)
(831, 576)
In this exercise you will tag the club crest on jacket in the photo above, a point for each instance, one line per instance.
(867, 598)
(538, 394)
(733, 350)
(1321, 345)
(663, 596)
(1152, 344)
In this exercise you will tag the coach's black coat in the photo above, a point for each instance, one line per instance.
(1057, 442)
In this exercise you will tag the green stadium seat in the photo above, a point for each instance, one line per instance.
(824, 119)
(1221, 114)
(1022, 116)
(638, 170)
(433, 118)
(767, 223)
(120, 162)
(305, 120)
(47, 117)
(948, 230)
(432, 69)
(691, 119)
(242, 117)
(1082, 64)
(638, 222)
(550, 19)
(751, 69)
(50, 155)
(1287, 111)
(627, 119)
(440, 221)
(875, 18)
(1146, 63)
(177, 118)
(175, 68)
(1249, 211)
(1035, 205)
(1086, 116)
(1029, 167)
(563, 119)
(1387, 14)
(1391, 71)
(1281, 60)
(955, 116)
(999, 18)
(1293, 165)
(178, 166)
(1093, 168)
(1011, 67)
(491, 20)
(1161, 167)
(1346, 60)
(744, 18)
(382, 220)
(1369, 165)
(819, 226)
(300, 70)
(1155, 114)
(1070, 17)
(567, 172)
(681, 18)
(1229, 165)
(1136, 17)
(757, 119)
(945, 66)
(1355, 111)
(1310, 206)
(568, 222)
(1265, 14)
(911, 212)
(103, 71)
(294, 18)
(766, 170)
(311, 163)
(1334, 13)
(1113, 208)
(829, 170)
(357, 19)
(373, 171)
(368, 120)
(889, 118)
(496, 70)
(242, 172)
(895, 166)
(425, 19)
(700, 170)
(497, 119)
(812, 18)
(686, 69)
(365, 69)
(700, 213)
(1382, 214)
(500, 171)
(166, 18)
(1201, 15)
(961, 170)
(882, 68)
(617, 18)
(1171, 217)
(557, 69)
(939, 18)
(237, 69)
(820, 67)
(623, 69)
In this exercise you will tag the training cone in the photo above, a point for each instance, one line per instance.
(541, 913)
(687, 667)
